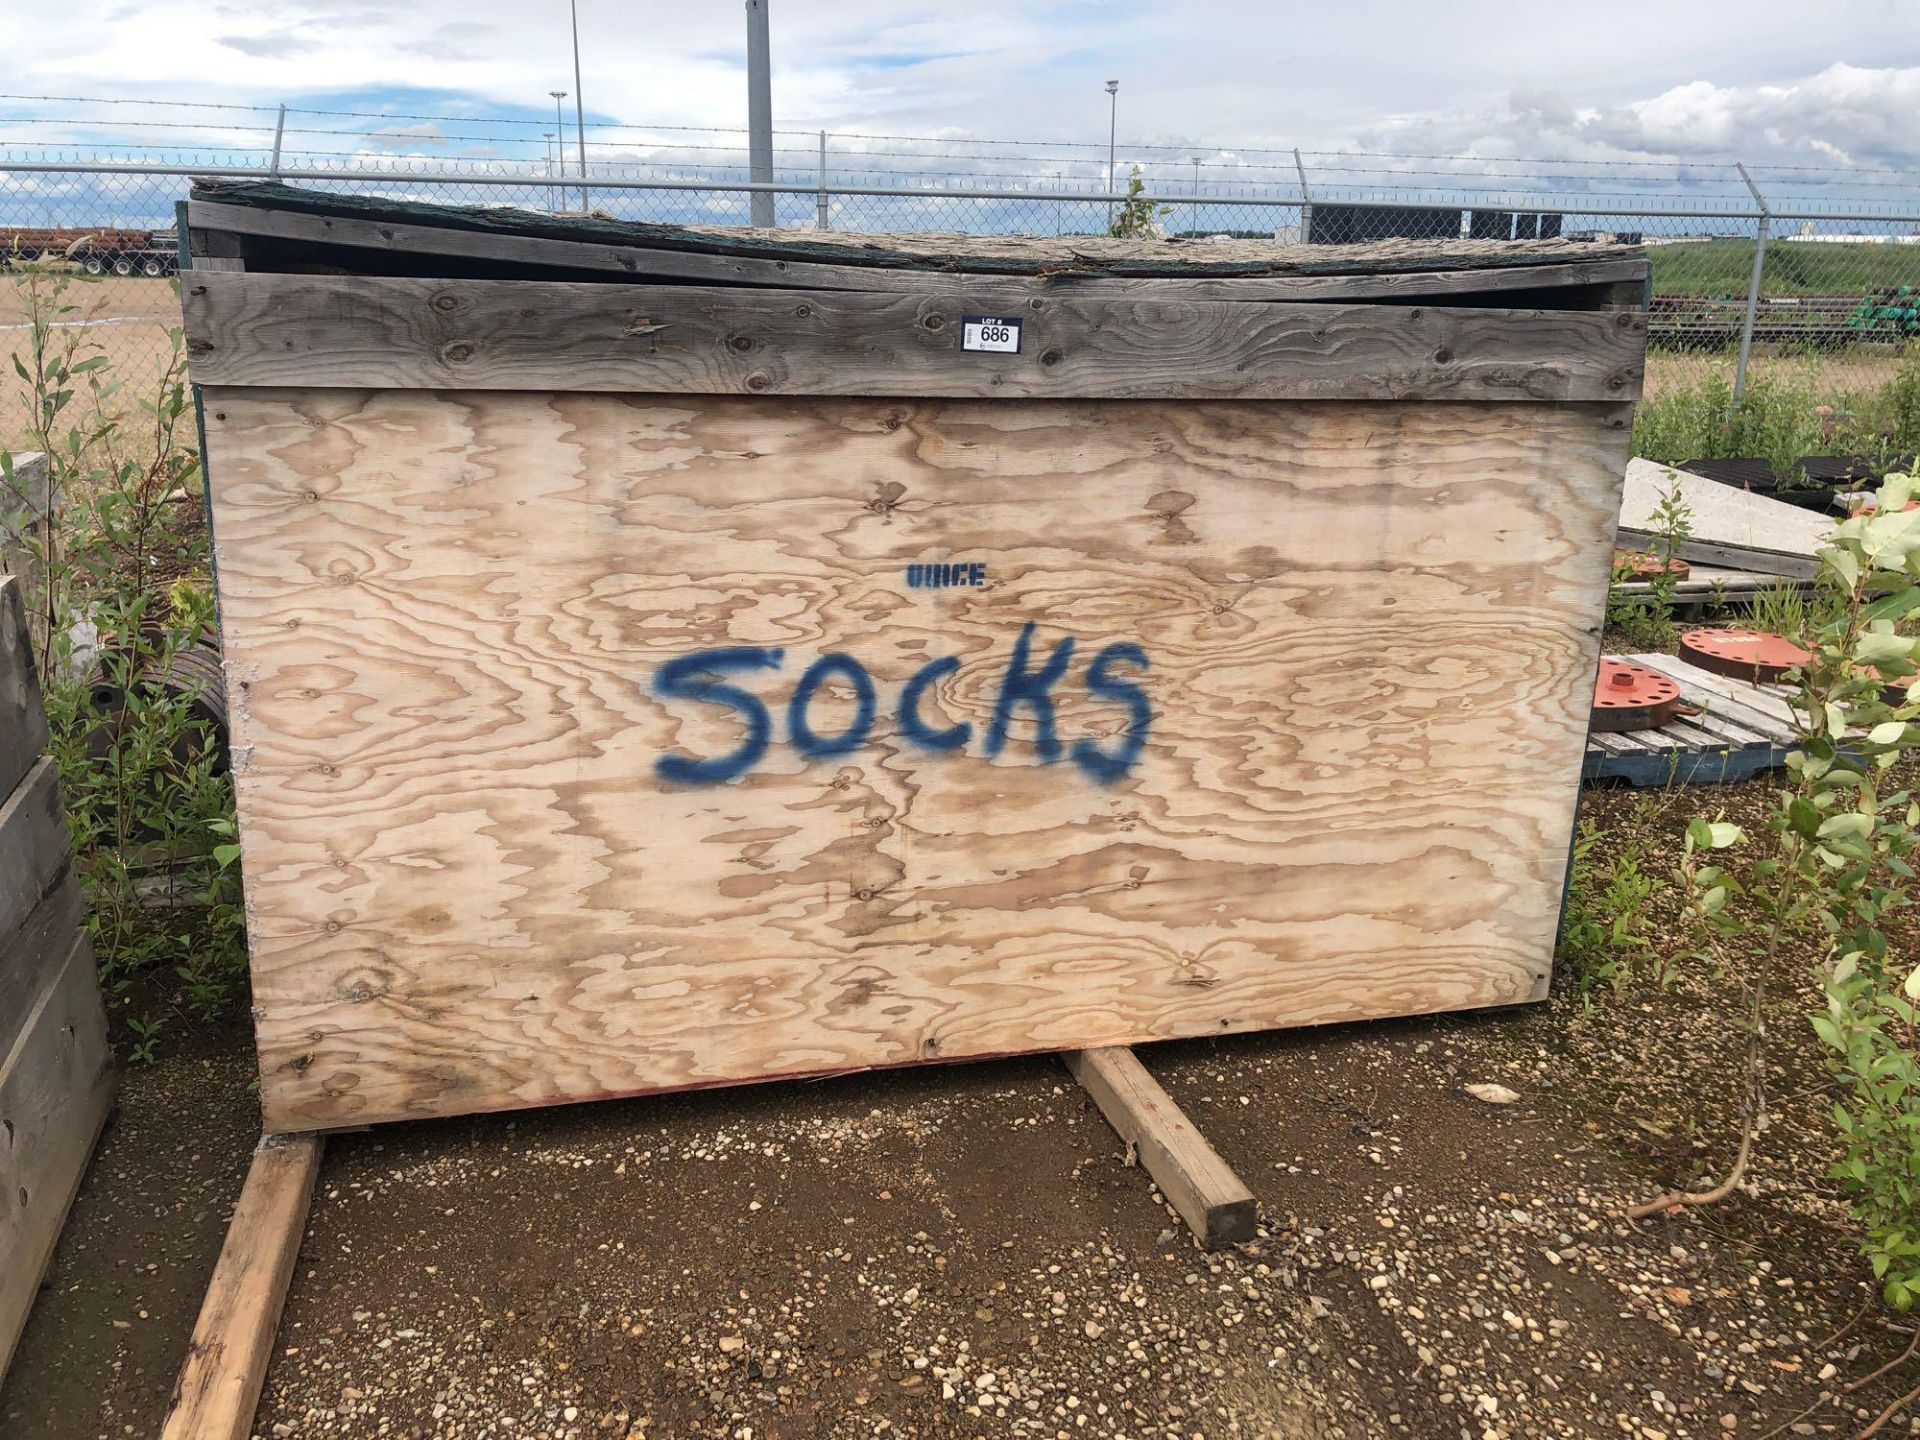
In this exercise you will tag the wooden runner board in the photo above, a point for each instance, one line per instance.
(218, 1387)
(531, 812)
(440, 248)
(977, 254)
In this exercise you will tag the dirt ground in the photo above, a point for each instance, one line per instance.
(110, 1327)
(964, 1251)
(128, 318)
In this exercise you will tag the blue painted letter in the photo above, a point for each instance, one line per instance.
(912, 726)
(801, 733)
(1096, 762)
(690, 677)
(1018, 687)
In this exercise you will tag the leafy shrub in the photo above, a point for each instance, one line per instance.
(1640, 621)
(1605, 934)
(1781, 418)
(1843, 836)
(120, 593)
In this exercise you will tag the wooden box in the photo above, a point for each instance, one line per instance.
(56, 1069)
(662, 658)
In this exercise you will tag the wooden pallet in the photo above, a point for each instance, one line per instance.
(1742, 730)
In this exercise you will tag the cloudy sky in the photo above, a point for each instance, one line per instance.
(1777, 83)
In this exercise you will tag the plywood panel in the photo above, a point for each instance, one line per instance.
(458, 638)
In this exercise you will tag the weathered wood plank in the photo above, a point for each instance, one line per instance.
(1729, 731)
(56, 1086)
(1753, 709)
(25, 504)
(1189, 1171)
(1730, 526)
(23, 723)
(653, 263)
(26, 952)
(401, 333)
(1726, 693)
(219, 1386)
(33, 846)
(1708, 583)
(1369, 635)
(1006, 255)
(1736, 557)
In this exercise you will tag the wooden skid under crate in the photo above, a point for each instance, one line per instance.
(548, 605)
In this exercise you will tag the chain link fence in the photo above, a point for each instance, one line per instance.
(1828, 317)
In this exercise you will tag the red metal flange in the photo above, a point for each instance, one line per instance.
(1632, 697)
(1744, 654)
(1644, 564)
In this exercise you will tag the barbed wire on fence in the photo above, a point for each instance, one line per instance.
(1834, 292)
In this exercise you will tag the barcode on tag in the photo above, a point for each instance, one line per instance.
(989, 332)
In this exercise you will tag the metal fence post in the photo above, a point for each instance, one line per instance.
(279, 132)
(1306, 199)
(820, 205)
(1753, 285)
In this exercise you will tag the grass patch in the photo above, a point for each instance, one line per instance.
(1786, 413)
(1721, 269)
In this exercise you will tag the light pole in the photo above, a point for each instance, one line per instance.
(760, 207)
(553, 188)
(579, 103)
(560, 126)
(1196, 195)
(1113, 120)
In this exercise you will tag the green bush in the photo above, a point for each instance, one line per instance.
(119, 591)
(1605, 932)
(1838, 862)
(1780, 419)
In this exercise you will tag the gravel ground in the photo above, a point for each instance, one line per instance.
(964, 1251)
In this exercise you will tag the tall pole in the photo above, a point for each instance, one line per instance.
(822, 218)
(553, 170)
(1760, 231)
(1113, 122)
(759, 112)
(1306, 198)
(560, 138)
(1196, 194)
(279, 134)
(579, 103)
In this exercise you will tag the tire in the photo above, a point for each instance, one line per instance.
(94, 265)
(152, 268)
(122, 266)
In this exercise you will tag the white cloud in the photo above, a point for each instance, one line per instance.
(1635, 79)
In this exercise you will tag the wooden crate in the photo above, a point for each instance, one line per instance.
(662, 659)
(56, 1070)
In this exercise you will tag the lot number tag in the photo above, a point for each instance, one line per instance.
(989, 332)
